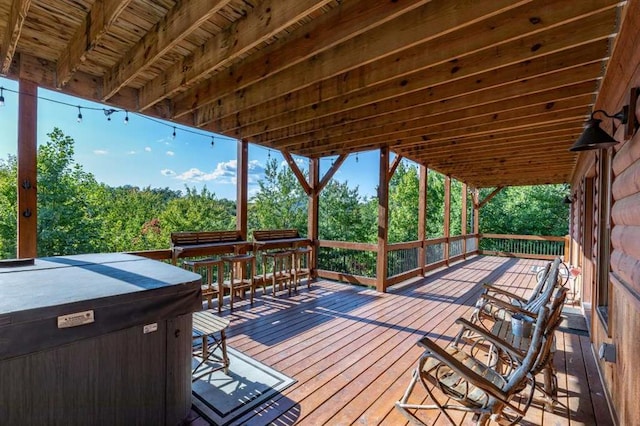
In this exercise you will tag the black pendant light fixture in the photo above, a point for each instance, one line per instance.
(593, 137)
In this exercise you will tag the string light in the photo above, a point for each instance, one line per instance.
(268, 155)
(357, 157)
(108, 112)
(213, 141)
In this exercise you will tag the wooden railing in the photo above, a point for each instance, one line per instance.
(344, 261)
(527, 246)
(356, 262)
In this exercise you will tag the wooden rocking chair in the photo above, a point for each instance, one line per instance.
(472, 386)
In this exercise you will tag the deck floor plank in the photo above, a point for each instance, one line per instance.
(352, 350)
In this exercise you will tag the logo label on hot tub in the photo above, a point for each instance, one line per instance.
(75, 319)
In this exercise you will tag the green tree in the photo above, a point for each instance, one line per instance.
(280, 203)
(404, 190)
(8, 208)
(343, 215)
(435, 204)
(526, 210)
(68, 217)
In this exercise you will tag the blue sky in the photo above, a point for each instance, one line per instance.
(144, 153)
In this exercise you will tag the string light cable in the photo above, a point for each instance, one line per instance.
(108, 112)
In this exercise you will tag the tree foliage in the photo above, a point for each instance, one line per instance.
(76, 214)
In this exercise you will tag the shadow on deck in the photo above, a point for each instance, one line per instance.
(352, 349)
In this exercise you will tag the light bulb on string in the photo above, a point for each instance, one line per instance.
(1, 96)
(79, 119)
(126, 117)
(357, 157)
(213, 141)
(268, 155)
(173, 136)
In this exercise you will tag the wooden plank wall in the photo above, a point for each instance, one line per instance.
(620, 377)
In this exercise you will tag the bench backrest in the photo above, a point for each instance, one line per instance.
(275, 234)
(204, 237)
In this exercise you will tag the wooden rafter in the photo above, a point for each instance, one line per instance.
(297, 172)
(402, 72)
(336, 26)
(495, 87)
(17, 17)
(421, 25)
(421, 117)
(94, 28)
(334, 168)
(268, 19)
(179, 23)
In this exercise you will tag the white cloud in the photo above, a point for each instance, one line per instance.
(167, 172)
(171, 153)
(224, 173)
(147, 148)
(131, 153)
(100, 152)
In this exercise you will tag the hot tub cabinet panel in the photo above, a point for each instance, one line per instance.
(96, 339)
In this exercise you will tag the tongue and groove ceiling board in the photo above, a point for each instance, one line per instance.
(491, 92)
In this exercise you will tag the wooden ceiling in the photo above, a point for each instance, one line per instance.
(491, 92)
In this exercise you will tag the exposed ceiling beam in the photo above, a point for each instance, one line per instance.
(476, 151)
(259, 25)
(90, 33)
(463, 125)
(305, 85)
(581, 64)
(451, 112)
(184, 18)
(433, 21)
(338, 25)
(17, 17)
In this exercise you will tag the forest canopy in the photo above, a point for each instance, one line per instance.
(77, 214)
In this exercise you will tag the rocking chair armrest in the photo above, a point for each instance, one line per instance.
(513, 309)
(493, 289)
(492, 338)
(465, 372)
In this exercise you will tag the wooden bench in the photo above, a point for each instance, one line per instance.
(268, 239)
(205, 243)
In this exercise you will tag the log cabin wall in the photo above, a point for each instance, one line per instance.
(607, 205)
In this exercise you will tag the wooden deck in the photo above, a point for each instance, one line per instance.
(352, 349)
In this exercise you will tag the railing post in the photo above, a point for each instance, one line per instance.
(312, 218)
(463, 225)
(567, 241)
(476, 218)
(447, 217)
(383, 220)
(422, 217)
(242, 188)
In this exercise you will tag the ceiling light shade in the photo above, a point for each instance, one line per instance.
(593, 137)
(567, 200)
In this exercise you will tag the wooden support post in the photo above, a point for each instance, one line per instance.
(313, 213)
(383, 220)
(447, 216)
(422, 217)
(27, 170)
(463, 225)
(476, 217)
(242, 188)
